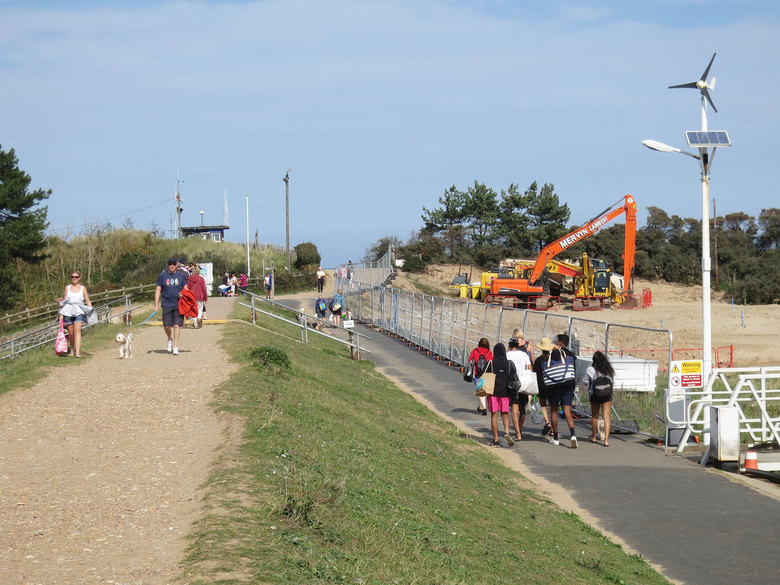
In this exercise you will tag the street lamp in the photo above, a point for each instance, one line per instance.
(202, 213)
(706, 142)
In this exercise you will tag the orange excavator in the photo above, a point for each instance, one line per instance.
(535, 282)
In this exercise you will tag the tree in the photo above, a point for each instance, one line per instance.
(306, 254)
(547, 216)
(21, 225)
(769, 221)
(379, 248)
(513, 229)
(447, 219)
(481, 213)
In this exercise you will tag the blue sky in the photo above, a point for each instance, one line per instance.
(378, 107)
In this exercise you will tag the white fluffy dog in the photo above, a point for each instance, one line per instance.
(125, 345)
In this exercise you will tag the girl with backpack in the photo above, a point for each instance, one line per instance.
(481, 356)
(600, 379)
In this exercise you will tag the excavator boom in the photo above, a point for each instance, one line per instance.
(590, 228)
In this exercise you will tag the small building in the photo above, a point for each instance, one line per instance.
(212, 233)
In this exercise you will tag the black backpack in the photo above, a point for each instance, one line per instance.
(602, 386)
(481, 366)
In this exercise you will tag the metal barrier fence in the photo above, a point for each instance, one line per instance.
(451, 328)
(46, 334)
(754, 391)
(364, 274)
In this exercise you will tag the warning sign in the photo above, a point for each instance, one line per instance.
(686, 374)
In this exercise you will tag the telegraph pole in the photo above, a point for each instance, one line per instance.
(286, 180)
(178, 208)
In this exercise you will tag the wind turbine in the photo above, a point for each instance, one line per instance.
(706, 142)
(702, 85)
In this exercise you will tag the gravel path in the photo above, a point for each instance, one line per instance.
(101, 462)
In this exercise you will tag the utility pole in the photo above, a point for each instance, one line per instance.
(286, 180)
(248, 264)
(178, 208)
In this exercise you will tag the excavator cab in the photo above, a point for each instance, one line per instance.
(601, 283)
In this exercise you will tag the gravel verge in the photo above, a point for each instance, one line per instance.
(101, 462)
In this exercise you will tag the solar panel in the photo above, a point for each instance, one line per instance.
(698, 139)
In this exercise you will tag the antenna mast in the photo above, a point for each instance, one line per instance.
(225, 220)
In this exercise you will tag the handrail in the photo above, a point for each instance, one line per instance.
(758, 385)
(303, 322)
(52, 308)
(46, 334)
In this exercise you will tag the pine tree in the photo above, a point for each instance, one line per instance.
(21, 225)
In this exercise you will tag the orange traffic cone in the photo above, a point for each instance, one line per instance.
(751, 460)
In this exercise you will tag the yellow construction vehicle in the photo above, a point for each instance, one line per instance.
(535, 280)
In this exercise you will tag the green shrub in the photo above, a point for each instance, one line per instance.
(269, 355)
(414, 263)
(306, 254)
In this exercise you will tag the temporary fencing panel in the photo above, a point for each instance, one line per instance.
(451, 328)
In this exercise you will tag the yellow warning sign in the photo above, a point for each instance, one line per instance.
(686, 374)
(692, 367)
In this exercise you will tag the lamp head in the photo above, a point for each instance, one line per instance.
(659, 146)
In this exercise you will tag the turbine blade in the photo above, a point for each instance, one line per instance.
(706, 94)
(693, 85)
(712, 84)
(707, 70)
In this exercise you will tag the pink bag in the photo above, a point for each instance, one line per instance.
(61, 345)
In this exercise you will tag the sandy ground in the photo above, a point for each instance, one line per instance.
(101, 462)
(750, 329)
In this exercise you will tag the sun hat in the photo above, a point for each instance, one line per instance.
(545, 344)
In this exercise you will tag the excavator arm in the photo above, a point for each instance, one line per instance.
(590, 228)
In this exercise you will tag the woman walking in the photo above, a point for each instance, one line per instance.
(600, 379)
(545, 346)
(74, 305)
(481, 356)
(498, 402)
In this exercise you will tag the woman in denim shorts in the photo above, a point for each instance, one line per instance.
(73, 302)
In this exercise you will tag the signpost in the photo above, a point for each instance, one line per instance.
(686, 374)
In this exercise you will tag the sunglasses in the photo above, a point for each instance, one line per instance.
(75, 276)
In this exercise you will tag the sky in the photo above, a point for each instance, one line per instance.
(377, 107)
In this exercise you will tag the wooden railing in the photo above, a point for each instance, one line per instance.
(51, 309)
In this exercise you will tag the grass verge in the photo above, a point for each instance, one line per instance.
(341, 477)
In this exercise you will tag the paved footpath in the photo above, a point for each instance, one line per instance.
(695, 525)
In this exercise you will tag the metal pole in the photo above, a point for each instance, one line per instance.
(705, 281)
(287, 213)
(248, 266)
(706, 316)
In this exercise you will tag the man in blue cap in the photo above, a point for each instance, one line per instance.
(170, 283)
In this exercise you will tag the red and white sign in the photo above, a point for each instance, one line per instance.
(686, 374)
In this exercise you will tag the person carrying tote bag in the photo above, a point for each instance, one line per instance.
(486, 383)
(499, 397)
(559, 381)
(478, 360)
